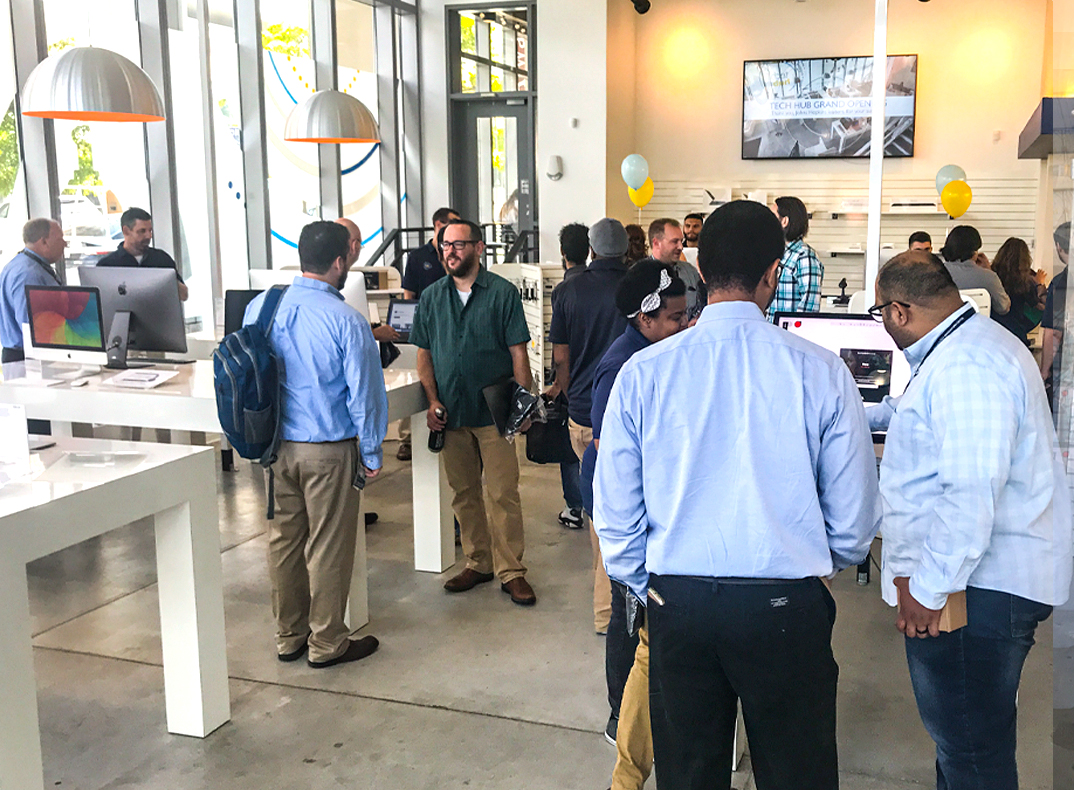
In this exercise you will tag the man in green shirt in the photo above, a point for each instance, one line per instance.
(471, 332)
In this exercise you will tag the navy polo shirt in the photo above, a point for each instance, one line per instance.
(153, 259)
(627, 345)
(585, 319)
(423, 268)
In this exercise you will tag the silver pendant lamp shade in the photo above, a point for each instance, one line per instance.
(331, 117)
(91, 84)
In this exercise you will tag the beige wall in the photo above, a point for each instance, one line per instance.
(979, 72)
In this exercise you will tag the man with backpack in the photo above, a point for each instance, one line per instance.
(333, 414)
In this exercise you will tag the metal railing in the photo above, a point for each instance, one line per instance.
(502, 245)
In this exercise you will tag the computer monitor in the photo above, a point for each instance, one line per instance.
(141, 310)
(64, 324)
(878, 366)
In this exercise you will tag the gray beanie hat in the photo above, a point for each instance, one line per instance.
(608, 238)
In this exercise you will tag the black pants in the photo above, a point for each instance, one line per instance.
(619, 649)
(12, 355)
(715, 642)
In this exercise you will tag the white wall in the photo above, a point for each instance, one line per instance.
(434, 104)
(979, 72)
(572, 83)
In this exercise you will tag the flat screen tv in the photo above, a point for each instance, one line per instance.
(822, 107)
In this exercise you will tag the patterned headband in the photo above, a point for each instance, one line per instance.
(651, 302)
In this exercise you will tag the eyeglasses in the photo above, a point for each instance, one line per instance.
(458, 246)
(877, 310)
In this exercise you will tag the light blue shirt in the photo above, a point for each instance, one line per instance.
(973, 487)
(26, 268)
(332, 385)
(734, 449)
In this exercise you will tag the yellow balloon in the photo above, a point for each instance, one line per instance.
(641, 197)
(956, 198)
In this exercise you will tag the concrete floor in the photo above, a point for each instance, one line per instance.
(466, 690)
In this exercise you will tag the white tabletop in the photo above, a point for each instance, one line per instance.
(76, 465)
(186, 402)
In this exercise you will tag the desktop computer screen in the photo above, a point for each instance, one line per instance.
(63, 317)
(878, 366)
(141, 310)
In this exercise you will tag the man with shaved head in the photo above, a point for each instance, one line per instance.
(975, 501)
(382, 332)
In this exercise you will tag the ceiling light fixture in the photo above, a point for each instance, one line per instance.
(331, 117)
(91, 84)
(642, 6)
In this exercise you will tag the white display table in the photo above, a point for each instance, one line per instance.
(86, 487)
(188, 403)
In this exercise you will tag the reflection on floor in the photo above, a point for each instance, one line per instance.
(466, 690)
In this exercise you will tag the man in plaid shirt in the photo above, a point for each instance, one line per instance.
(801, 271)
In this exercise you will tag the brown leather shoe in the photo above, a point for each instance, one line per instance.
(520, 591)
(467, 580)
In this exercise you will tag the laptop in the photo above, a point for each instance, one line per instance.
(401, 317)
(878, 366)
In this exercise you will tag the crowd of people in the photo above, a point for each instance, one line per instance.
(725, 469)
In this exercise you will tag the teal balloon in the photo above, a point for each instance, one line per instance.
(635, 171)
(947, 174)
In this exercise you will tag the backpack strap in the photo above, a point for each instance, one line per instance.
(273, 296)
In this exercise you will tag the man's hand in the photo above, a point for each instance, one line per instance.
(552, 392)
(914, 619)
(981, 260)
(385, 334)
(184, 292)
(436, 423)
(371, 473)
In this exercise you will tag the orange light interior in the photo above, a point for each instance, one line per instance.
(76, 115)
(331, 140)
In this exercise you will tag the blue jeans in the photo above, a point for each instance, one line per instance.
(966, 683)
(572, 485)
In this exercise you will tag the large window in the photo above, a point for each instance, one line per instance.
(101, 165)
(12, 182)
(356, 46)
(494, 54)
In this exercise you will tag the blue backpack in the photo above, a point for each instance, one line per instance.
(247, 380)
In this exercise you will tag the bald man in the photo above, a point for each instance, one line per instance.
(354, 293)
(975, 504)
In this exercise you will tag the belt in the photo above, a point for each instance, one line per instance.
(749, 582)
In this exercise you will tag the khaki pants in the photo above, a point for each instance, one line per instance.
(493, 542)
(634, 738)
(581, 438)
(311, 545)
(404, 430)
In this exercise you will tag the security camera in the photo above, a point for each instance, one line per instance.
(642, 6)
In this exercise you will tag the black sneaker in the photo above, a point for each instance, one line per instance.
(571, 518)
(611, 730)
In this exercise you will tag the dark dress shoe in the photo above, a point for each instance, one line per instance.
(467, 580)
(357, 649)
(294, 655)
(371, 517)
(520, 591)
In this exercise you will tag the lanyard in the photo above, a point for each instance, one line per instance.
(966, 316)
(41, 262)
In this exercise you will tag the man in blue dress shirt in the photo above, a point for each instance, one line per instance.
(735, 469)
(333, 417)
(975, 499)
(32, 266)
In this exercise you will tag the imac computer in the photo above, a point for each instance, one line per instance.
(878, 366)
(64, 324)
(141, 310)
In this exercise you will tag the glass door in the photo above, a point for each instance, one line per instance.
(492, 178)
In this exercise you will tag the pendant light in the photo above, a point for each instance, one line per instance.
(331, 117)
(91, 84)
